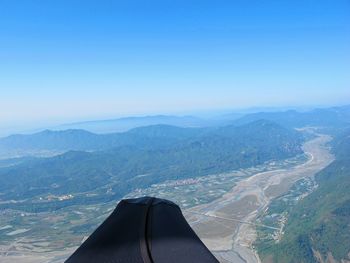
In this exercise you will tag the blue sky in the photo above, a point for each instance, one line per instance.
(72, 60)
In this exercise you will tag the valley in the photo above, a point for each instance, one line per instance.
(222, 208)
(232, 240)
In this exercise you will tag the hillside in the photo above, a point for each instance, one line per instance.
(128, 167)
(318, 228)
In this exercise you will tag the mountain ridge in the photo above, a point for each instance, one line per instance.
(213, 151)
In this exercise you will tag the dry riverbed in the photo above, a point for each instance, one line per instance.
(227, 225)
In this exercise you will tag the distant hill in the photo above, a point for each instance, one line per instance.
(125, 124)
(318, 227)
(81, 140)
(51, 140)
(334, 117)
(186, 153)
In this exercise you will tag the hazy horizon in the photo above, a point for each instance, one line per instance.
(75, 61)
(39, 125)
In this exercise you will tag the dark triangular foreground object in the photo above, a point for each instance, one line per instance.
(143, 230)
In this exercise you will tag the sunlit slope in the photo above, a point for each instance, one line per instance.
(116, 171)
(318, 227)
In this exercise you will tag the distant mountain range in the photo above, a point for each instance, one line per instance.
(161, 153)
(81, 140)
(333, 116)
(125, 124)
(162, 131)
(326, 117)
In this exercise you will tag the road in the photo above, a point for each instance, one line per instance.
(227, 225)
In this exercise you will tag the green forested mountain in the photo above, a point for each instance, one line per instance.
(191, 153)
(318, 227)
